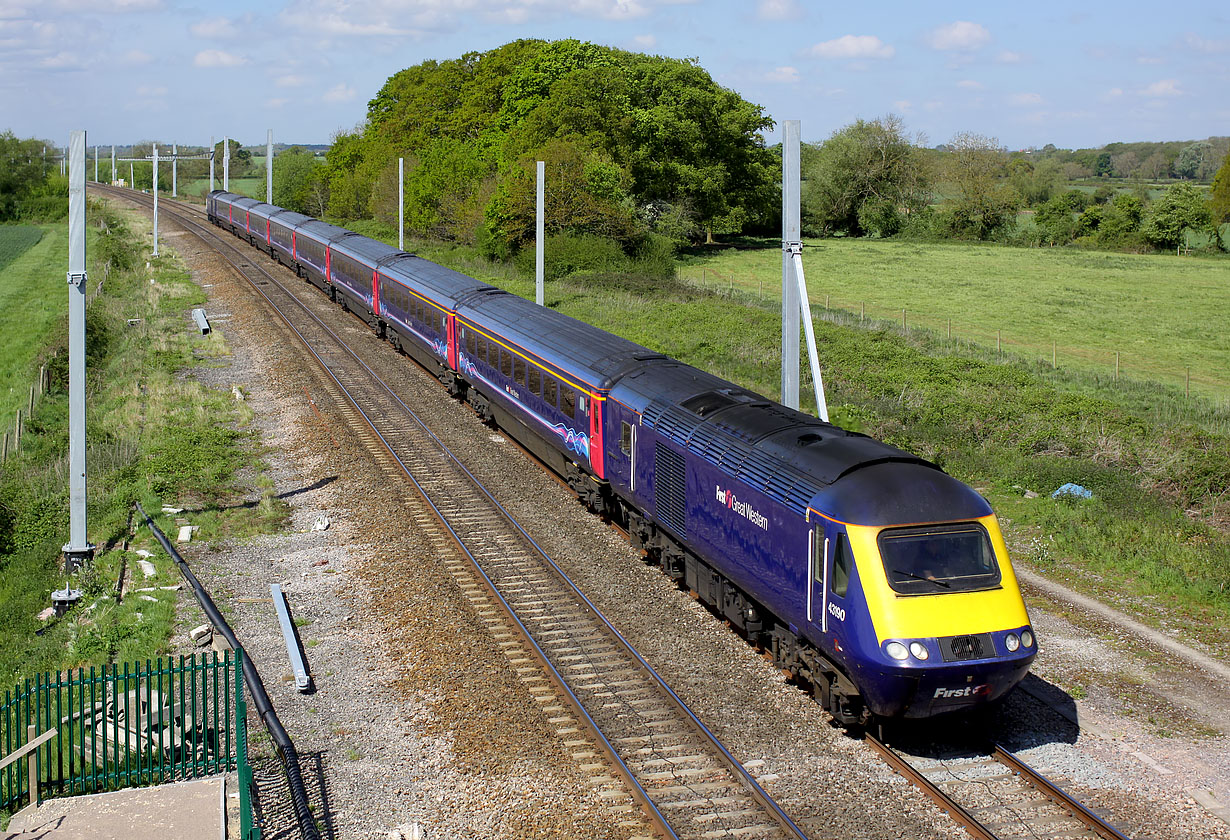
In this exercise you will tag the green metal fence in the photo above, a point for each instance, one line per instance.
(144, 724)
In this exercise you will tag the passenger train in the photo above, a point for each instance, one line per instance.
(868, 572)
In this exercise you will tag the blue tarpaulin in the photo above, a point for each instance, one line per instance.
(1074, 490)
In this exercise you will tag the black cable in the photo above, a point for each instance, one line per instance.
(260, 698)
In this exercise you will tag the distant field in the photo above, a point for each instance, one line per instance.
(1161, 314)
(15, 240)
(33, 301)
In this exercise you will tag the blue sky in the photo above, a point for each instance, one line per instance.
(1072, 74)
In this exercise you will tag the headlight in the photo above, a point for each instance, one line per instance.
(1012, 641)
(919, 650)
(896, 650)
(1027, 638)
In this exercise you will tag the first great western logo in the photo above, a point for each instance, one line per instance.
(744, 509)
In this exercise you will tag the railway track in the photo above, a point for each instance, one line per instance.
(995, 795)
(682, 778)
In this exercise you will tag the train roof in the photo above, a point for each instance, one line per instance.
(370, 251)
(263, 210)
(591, 355)
(322, 232)
(289, 218)
(245, 202)
(435, 281)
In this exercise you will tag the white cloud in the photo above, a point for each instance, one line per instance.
(1164, 88)
(151, 90)
(218, 27)
(1114, 92)
(290, 80)
(853, 46)
(645, 42)
(778, 10)
(276, 103)
(218, 58)
(1026, 99)
(960, 35)
(782, 75)
(1150, 59)
(1010, 57)
(904, 105)
(1205, 45)
(136, 58)
(339, 93)
(970, 84)
(63, 60)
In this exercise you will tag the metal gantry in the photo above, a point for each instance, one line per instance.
(77, 551)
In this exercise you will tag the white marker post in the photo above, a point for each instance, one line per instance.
(539, 226)
(77, 551)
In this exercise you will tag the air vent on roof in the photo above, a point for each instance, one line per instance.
(810, 438)
(708, 402)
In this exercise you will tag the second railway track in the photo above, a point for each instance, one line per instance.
(683, 778)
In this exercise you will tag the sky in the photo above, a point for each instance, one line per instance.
(1075, 74)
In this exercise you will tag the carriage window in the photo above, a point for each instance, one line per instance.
(506, 363)
(941, 558)
(625, 438)
(519, 369)
(581, 403)
(549, 390)
(470, 342)
(843, 562)
(567, 400)
(535, 380)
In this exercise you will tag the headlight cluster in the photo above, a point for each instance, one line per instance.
(1014, 642)
(899, 651)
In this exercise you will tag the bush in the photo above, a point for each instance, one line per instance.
(574, 253)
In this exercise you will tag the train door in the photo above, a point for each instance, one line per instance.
(621, 432)
(830, 565)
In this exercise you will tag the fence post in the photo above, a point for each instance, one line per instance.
(999, 334)
(32, 764)
(862, 310)
(1116, 365)
(5, 456)
(1054, 363)
(31, 411)
(904, 328)
(17, 433)
(1187, 382)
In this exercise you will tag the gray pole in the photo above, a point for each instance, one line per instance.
(538, 234)
(790, 240)
(174, 170)
(95, 163)
(77, 551)
(132, 175)
(211, 163)
(269, 168)
(112, 163)
(401, 204)
(154, 186)
(64, 163)
(226, 164)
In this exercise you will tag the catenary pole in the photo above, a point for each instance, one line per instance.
(112, 163)
(154, 187)
(132, 175)
(174, 170)
(790, 240)
(211, 163)
(95, 163)
(77, 551)
(269, 167)
(401, 204)
(226, 164)
(539, 226)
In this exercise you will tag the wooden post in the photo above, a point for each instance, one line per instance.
(42, 379)
(826, 303)
(1187, 382)
(904, 328)
(1054, 363)
(950, 329)
(862, 311)
(17, 433)
(31, 411)
(1116, 365)
(5, 455)
(999, 334)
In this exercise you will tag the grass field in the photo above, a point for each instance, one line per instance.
(33, 304)
(1161, 314)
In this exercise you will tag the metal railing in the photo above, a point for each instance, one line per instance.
(142, 724)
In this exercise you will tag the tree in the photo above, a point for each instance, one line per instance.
(1056, 222)
(867, 178)
(1155, 166)
(1191, 159)
(1181, 208)
(1120, 223)
(294, 173)
(1102, 166)
(21, 172)
(1219, 199)
(983, 202)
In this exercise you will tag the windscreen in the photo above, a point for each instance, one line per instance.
(948, 558)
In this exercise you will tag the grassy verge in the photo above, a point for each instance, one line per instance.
(1161, 314)
(1154, 539)
(33, 299)
(153, 435)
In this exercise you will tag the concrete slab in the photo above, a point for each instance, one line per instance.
(186, 811)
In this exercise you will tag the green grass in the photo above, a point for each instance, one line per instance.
(33, 303)
(1161, 314)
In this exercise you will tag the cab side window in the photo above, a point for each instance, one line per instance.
(625, 438)
(843, 562)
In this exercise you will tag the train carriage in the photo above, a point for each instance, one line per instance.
(353, 262)
(282, 225)
(258, 224)
(237, 222)
(312, 241)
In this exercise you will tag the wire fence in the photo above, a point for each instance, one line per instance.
(1113, 365)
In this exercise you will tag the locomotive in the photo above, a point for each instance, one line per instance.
(868, 572)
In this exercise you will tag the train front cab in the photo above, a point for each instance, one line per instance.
(925, 618)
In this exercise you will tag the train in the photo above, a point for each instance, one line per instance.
(870, 574)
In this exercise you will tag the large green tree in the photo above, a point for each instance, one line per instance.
(982, 201)
(867, 178)
(1181, 208)
(1219, 199)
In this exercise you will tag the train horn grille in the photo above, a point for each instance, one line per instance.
(960, 648)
